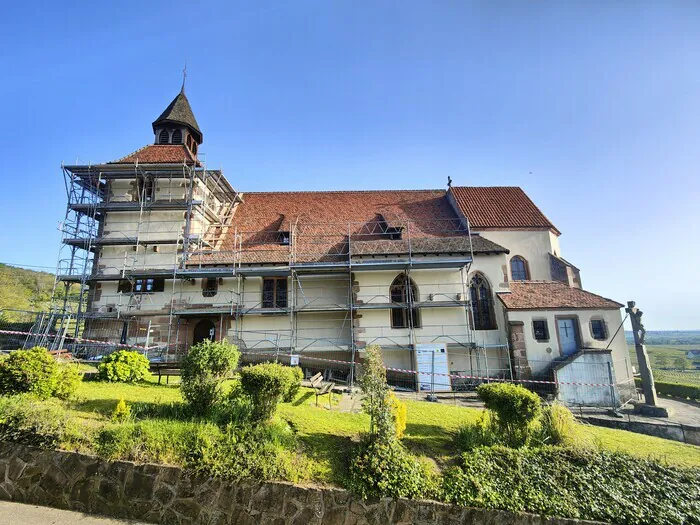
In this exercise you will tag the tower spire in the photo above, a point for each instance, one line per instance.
(184, 78)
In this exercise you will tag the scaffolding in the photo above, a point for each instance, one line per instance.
(138, 238)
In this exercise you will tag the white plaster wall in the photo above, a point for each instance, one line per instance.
(533, 245)
(539, 354)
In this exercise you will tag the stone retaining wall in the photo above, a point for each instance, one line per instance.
(162, 494)
(667, 430)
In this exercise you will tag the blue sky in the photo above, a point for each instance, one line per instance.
(593, 108)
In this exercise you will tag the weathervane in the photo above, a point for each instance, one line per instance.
(184, 77)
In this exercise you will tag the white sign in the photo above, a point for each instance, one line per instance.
(432, 359)
(294, 360)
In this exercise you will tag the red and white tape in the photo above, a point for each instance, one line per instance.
(325, 360)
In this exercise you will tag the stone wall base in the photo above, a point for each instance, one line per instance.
(168, 495)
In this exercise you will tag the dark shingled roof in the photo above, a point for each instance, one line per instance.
(180, 112)
(542, 295)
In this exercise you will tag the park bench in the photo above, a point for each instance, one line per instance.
(322, 388)
(165, 370)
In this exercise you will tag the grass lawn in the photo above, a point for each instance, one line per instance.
(327, 435)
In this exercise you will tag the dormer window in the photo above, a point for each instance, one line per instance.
(164, 137)
(284, 238)
(177, 136)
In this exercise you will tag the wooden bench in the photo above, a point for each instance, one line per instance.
(322, 388)
(165, 369)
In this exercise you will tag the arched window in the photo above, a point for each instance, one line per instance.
(177, 136)
(404, 294)
(163, 138)
(483, 317)
(518, 269)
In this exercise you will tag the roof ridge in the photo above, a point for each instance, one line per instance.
(340, 191)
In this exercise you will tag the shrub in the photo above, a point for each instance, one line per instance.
(68, 380)
(398, 413)
(376, 392)
(387, 469)
(24, 419)
(557, 426)
(575, 483)
(204, 369)
(294, 377)
(478, 434)
(260, 452)
(123, 366)
(153, 441)
(121, 412)
(513, 410)
(265, 384)
(32, 371)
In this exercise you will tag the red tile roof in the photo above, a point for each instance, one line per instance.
(324, 219)
(500, 207)
(159, 154)
(541, 295)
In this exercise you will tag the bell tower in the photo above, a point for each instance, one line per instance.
(177, 125)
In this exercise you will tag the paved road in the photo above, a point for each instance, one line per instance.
(20, 514)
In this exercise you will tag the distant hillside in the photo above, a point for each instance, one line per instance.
(668, 337)
(22, 289)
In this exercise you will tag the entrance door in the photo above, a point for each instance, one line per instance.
(568, 343)
(204, 329)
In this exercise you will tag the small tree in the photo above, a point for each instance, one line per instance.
(682, 363)
(377, 403)
(204, 369)
(662, 361)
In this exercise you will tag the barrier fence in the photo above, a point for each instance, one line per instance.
(574, 384)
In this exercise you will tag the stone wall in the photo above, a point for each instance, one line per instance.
(161, 494)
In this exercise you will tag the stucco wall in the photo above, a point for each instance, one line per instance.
(534, 245)
(539, 354)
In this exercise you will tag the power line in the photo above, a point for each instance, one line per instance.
(19, 265)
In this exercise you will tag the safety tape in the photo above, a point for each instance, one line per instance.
(269, 354)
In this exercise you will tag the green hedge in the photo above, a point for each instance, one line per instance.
(674, 389)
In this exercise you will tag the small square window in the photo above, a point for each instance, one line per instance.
(598, 329)
(541, 330)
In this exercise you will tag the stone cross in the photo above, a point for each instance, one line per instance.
(642, 356)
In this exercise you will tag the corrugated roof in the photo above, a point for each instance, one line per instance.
(543, 295)
(502, 207)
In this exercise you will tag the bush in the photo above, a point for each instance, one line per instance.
(584, 484)
(557, 426)
(387, 469)
(265, 384)
(153, 441)
(294, 377)
(204, 369)
(121, 412)
(32, 371)
(513, 410)
(261, 452)
(398, 413)
(478, 434)
(69, 378)
(123, 366)
(24, 419)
